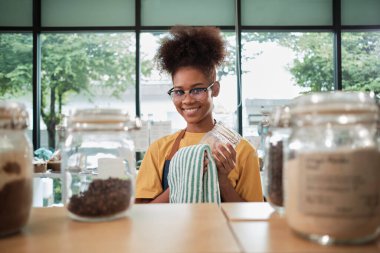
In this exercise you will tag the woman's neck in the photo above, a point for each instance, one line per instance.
(201, 127)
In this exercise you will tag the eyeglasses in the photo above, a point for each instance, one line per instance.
(197, 93)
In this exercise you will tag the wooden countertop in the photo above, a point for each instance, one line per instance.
(258, 228)
(148, 228)
(235, 227)
(248, 211)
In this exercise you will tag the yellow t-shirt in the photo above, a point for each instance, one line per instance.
(245, 177)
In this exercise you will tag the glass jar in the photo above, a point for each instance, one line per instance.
(221, 134)
(16, 158)
(332, 168)
(276, 139)
(98, 161)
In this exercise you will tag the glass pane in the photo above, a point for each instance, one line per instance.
(16, 71)
(185, 12)
(225, 104)
(85, 70)
(289, 12)
(361, 61)
(157, 109)
(16, 13)
(364, 12)
(87, 13)
(278, 67)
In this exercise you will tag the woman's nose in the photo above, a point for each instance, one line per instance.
(187, 97)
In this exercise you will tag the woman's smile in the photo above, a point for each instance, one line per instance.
(191, 111)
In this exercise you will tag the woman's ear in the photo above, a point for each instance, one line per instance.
(215, 89)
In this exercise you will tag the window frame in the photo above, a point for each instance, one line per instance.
(36, 29)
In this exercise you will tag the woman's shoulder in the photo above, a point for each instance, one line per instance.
(167, 139)
(245, 146)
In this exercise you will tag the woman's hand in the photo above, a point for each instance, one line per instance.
(225, 159)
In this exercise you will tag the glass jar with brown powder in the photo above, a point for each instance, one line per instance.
(16, 168)
(98, 162)
(332, 168)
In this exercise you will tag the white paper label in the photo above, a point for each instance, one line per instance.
(340, 184)
(110, 167)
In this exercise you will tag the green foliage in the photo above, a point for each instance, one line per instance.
(15, 64)
(71, 63)
(361, 61)
(57, 188)
(90, 62)
(313, 67)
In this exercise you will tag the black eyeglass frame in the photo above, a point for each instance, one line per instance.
(204, 89)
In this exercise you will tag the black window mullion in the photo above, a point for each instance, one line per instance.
(36, 73)
(337, 44)
(137, 67)
(238, 66)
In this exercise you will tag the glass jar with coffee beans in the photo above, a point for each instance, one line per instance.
(98, 161)
(273, 166)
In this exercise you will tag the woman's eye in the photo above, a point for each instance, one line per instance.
(178, 92)
(196, 91)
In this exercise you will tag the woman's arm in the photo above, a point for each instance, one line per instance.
(162, 198)
(227, 191)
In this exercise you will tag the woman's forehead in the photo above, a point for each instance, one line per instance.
(189, 77)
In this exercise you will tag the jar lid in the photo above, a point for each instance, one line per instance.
(342, 107)
(98, 118)
(280, 117)
(335, 102)
(13, 115)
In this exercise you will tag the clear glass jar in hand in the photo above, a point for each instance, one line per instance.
(273, 165)
(16, 169)
(98, 161)
(220, 134)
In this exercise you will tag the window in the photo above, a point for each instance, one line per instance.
(361, 61)
(276, 64)
(16, 63)
(16, 13)
(85, 70)
(278, 67)
(286, 12)
(71, 13)
(184, 12)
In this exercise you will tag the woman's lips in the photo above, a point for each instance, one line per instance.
(190, 111)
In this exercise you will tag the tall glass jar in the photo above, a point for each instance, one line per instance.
(16, 157)
(98, 161)
(332, 168)
(278, 134)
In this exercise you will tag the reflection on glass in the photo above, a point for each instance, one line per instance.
(82, 71)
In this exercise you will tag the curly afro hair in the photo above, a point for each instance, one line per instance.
(199, 47)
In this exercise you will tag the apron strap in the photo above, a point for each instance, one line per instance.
(175, 147)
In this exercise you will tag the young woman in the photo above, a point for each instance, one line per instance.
(191, 55)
